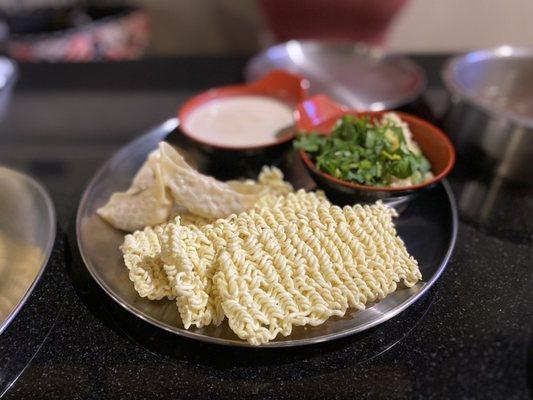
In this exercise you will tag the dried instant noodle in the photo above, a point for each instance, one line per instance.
(291, 260)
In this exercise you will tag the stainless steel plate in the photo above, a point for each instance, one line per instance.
(428, 227)
(27, 233)
(361, 77)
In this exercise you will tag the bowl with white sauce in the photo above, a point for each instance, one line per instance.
(251, 119)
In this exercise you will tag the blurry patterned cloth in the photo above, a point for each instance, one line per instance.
(116, 34)
(13, 6)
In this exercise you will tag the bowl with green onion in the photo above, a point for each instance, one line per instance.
(371, 155)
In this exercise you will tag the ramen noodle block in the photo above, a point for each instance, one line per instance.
(289, 261)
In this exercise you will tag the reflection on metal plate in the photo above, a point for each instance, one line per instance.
(27, 233)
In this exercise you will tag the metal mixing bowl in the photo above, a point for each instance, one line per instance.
(490, 118)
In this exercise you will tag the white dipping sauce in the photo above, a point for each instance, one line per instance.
(239, 121)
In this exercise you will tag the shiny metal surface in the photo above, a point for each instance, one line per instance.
(490, 117)
(8, 77)
(428, 227)
(27, 233)
(357, 76)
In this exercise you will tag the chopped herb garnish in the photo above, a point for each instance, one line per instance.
(367, 152)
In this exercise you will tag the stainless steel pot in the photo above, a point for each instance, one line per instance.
(490, 118)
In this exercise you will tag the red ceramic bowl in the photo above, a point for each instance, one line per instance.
(288, 88)
(320, 113)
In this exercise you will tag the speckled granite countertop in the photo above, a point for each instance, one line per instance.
(470, 337)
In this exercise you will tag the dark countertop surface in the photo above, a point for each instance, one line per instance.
(470, 337)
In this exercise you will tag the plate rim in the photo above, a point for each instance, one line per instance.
(49, 245)
(162, 130)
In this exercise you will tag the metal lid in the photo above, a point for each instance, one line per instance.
(358, 76)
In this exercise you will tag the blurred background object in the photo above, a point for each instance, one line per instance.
(491, 112)
(8, 77)
(74, 31)
(355, 75)
(215, 27)
(339, 20)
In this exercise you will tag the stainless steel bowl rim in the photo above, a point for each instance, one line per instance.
(504, 51)
(11, 72)
(360, 49)
(47, 251)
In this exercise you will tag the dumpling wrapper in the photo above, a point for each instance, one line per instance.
(166, 182)
(145, 203)
(204, 195)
